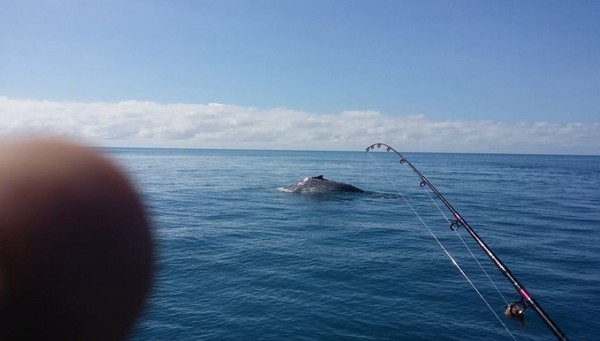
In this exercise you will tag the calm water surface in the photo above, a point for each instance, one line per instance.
(240, 260)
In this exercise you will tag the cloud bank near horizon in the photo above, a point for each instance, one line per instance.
(150, 124)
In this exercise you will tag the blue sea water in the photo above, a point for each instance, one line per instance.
(238, 259)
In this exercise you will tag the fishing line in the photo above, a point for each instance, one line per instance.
(465, 244)
(527, 300)
(443, 247)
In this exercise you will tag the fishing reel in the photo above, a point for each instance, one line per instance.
(516, 311)
(455, 225)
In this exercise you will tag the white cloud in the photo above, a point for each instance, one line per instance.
(149, 124)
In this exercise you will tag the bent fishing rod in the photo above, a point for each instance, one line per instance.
(526, 299)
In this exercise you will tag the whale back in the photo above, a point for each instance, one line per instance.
(318, 184)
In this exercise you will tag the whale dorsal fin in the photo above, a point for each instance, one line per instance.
(319, 177)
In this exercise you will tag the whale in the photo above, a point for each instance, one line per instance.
(318, 184)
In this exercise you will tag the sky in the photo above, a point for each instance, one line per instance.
(423, 76)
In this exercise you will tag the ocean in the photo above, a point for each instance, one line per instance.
(240, 259)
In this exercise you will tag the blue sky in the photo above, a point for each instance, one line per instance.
(483, 69)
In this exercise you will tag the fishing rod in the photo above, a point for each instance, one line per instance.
(526, 299)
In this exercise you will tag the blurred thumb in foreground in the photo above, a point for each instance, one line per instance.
(76, 249)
